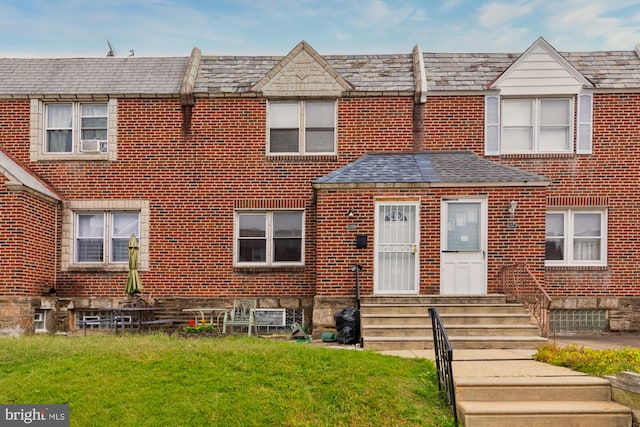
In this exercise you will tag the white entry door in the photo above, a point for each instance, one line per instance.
(463, 261)
(396, 248)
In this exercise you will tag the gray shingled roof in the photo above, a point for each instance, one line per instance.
(82, 76)
(236, 74)
(463, 71)
(464, 167)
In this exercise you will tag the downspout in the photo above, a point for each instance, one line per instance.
(420, 97)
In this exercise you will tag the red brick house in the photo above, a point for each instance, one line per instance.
(271, 177)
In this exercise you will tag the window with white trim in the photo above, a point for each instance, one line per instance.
(269, 238)
(76, 128)
(302, 127)
(103, 237)
(537, 125)
(576, 237)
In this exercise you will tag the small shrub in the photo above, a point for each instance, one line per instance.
(598, 363)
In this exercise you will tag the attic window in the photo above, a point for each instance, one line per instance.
(302, 127)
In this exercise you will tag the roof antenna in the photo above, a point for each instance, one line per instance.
(112, 51)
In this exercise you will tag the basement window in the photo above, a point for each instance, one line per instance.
(577, 321)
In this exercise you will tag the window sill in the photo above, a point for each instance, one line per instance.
(98, 268)
(538, 155)
(268, 269)
(576, 267)
(73, 157)
(301, 158)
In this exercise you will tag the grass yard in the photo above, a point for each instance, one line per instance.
(156, 380)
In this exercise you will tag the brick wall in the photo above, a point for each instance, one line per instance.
(27, 244)
(608, 174)
(336, 235)
(194, 181)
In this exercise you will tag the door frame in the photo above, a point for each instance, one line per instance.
(484, 232)
(415, 203)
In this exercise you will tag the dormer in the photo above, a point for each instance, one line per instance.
(541, 106)
(540, 70)
(302, 90)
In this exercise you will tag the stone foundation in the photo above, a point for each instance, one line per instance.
(324, 309)
(17, 313)
(623, 313)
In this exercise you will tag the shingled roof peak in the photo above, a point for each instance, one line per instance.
(301, 61)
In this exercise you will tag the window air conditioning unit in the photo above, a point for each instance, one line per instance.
(90, 145)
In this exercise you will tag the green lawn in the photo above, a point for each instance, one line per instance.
(156, 380)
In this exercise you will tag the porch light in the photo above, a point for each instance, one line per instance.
(512, 207)
(351, 213)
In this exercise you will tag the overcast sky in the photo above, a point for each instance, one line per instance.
(79, 28)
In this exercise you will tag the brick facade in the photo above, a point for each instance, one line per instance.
(190, 161)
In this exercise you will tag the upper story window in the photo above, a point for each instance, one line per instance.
(103, 237)
(269, 238)
(537, 125)
(74, 130)
(532, 125)
(76, 127)
(575, 237)
(302, 127)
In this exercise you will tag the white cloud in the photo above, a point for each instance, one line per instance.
(497, 13)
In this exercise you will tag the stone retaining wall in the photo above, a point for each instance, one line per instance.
(625, 389)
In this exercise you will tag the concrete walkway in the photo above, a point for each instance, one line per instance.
(509, 375)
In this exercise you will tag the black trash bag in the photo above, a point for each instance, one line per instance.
(348, 325)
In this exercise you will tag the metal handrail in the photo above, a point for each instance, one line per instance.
(519, 285)
(444, 359)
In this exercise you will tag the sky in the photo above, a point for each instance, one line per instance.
(81, 28)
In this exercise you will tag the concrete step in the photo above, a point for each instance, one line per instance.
(492, 330)
(404, 330)
(386, 343)
(485, 319)
(415, 308)
(397, 319)
(543, 414)
(431, 300)
(547, 388)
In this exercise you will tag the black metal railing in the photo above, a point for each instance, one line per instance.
(444, 359)
(520, 285)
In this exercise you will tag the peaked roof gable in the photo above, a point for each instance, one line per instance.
(20, 179)
(302, 72)
(540, 69)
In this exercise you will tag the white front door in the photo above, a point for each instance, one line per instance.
(463, 264)
(396, 248)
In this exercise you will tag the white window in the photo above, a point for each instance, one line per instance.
(302, 127)
(103, 237)
(537, 125)
(576, 237)
(40, 320)
(76, 128)
(269, 238)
